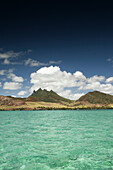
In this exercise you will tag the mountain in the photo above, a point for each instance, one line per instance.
(47, 96)
(43, 99)
(96, 97)
(11, 101)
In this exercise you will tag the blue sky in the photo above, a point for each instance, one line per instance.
(64, 47)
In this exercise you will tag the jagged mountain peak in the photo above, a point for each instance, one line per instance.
(48, 96)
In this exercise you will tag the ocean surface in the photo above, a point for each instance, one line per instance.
(46, 140)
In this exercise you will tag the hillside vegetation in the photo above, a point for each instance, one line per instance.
(43, 99)
(48, 96)
(97, 97)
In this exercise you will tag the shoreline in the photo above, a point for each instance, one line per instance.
(41, 109)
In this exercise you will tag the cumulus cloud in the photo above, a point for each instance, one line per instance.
(109, 80)
(15, 78)
(0, 84)
(79, 75)
(62, 82)
(105, 88)
(68, 94)
(99, 83)
(52, 78)
(90, 86)
(21, 93)
(2, 72)
(12, 85)
(96, 79)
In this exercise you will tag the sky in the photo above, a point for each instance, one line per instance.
(56, 45)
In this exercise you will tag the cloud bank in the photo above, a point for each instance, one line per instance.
(52, 78)
(66, 84)
(62, 82)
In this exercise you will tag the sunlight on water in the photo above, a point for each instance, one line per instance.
(45, 140)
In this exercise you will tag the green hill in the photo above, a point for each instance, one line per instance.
(11, 101)
(43, 99)
(47, 96)
(96, 97)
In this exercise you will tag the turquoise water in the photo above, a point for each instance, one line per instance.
(45, 140)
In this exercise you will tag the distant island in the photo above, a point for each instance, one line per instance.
(49, 100)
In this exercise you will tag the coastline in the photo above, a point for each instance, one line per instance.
(49, 108)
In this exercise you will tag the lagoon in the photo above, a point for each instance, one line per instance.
(61, 139)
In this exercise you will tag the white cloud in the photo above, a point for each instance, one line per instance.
(0, 84)
(12, 85)
(49, 70)
(2, 72)
(6, 72)
(75, 96)
(79, 75)
(99, 83)
(90, 86)
(105, 88)
(52, 78)
(96, 79)
(15, 78)
(10, 54)
(10, 70)
(21, 93)
(6, 61)
(109, 59)
(68, 94)
(109, 80)
(13, 96)
(33, 63)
